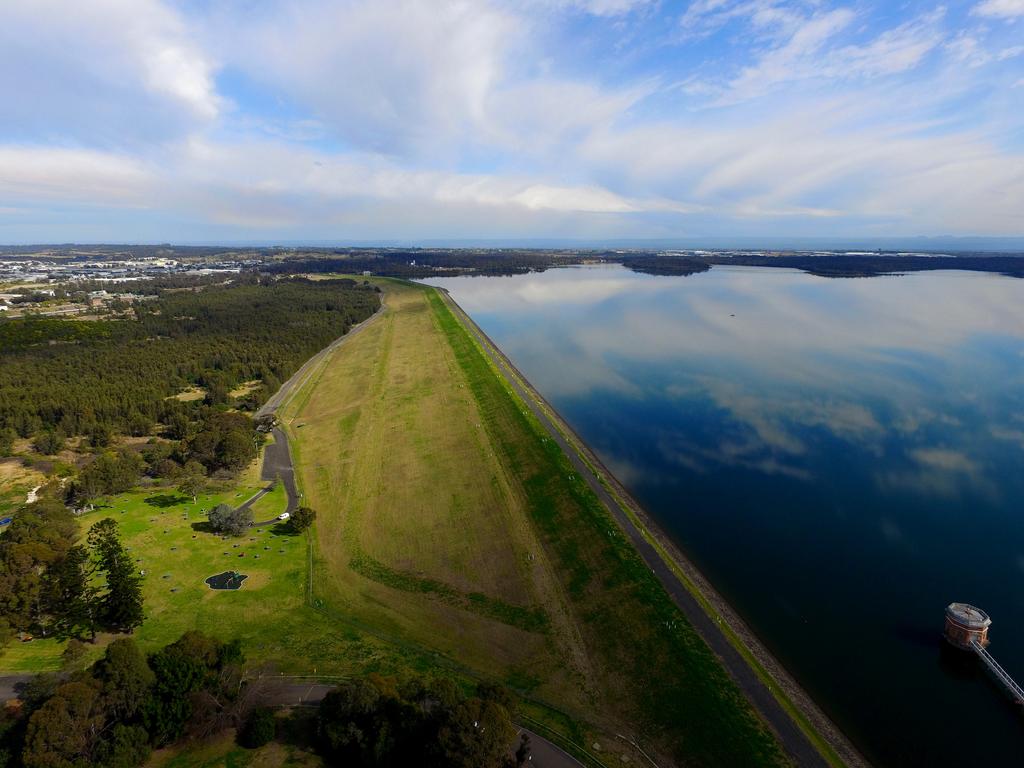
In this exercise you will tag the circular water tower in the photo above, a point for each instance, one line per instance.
(965, 625)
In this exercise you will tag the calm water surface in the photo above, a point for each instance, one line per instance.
(842, 458)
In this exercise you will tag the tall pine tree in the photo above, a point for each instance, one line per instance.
(122, 603)
(69, 596)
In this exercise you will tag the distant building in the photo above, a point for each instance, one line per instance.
(367, 273)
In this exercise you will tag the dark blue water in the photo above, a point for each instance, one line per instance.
(842, 458)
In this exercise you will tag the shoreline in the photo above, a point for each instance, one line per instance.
(765, 675)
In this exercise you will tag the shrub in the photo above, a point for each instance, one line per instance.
(259, 729)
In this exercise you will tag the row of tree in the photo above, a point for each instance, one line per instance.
(112, 714)
(380, 722)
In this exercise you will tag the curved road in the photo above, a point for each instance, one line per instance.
(277, 458)
(793, 740)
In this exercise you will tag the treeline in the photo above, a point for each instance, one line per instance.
(151, 286)
(113, 714)
(70, 377)
(653, 264)
(126, 704)
(377, 722)
(416, 263)
(844, 265)
(51, 585)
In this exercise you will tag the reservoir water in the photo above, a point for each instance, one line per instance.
(842, 458)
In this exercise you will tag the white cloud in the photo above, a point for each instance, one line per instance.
(107, 69)
(1006, 9)
(806, 48)
(46, 174)
(974, 52)
(791, 60)
(822, 150)
(595, 7)
(895, 50)
(395, 76)
(265, 185)
(415, 105)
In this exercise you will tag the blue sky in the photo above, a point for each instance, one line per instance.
(343, 120)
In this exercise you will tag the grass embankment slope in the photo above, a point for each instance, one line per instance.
(449, 522)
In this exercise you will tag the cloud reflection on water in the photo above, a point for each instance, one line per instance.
(880, 363)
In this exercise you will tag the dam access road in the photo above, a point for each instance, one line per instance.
(795, 742)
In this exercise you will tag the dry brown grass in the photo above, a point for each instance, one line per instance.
(421, 530)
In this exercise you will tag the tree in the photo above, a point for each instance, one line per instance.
(70, 597)
(73, 653)
(382, 722)
(7, 438)
(191, 484)
(49, 443)
(122, 604)
(125, 678)
(139, 425)
(65, 730)
(522, 753)
(475, 734)
(110, 472)
(260, 728)
(184, 668)
(40, 535)
(226, 519)
(99, 435)
(302, 518)
(127, 747)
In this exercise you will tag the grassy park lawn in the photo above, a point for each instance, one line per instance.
(157, 528)
(269, 613)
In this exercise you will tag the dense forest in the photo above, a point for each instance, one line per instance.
(75, 378)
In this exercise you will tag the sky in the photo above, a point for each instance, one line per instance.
(363, 120)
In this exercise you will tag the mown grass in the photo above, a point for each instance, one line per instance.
(421, 537)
